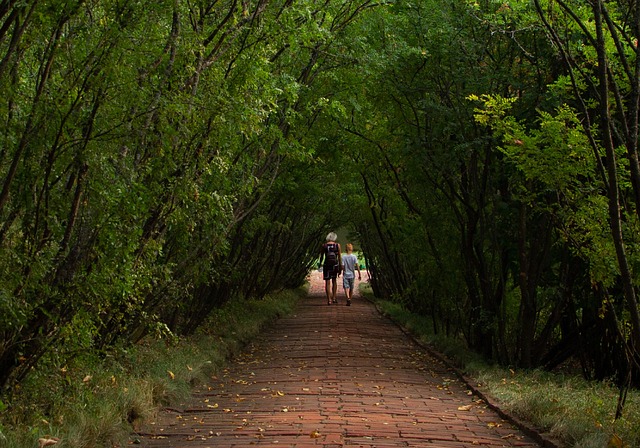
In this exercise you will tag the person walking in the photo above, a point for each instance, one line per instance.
(349, 266)
(331, 262)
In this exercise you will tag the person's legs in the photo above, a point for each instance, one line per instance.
(327, 290)
(348, 289)
(345, 285)
(334, 290)
(328, 277)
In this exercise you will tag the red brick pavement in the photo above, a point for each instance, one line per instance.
(333, 376)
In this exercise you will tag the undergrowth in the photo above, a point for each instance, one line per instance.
(102, 400)
(573, 411)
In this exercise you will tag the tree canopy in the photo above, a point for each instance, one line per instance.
(160, 158)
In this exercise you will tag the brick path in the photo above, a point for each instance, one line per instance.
(333, 376)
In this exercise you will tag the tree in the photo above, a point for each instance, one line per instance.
(143, 149)
(602, 66)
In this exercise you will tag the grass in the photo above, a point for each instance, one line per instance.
(573, 411)
(102, 401)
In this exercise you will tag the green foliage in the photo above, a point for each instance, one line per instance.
(557, 154)
(557, 157)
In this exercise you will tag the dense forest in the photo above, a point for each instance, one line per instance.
(161, 157)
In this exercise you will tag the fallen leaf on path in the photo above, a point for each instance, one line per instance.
(465, 408)
(314, 434)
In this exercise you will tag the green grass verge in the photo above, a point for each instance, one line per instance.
(573, 411)
(101, 401)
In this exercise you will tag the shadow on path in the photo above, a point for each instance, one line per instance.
(334, 376)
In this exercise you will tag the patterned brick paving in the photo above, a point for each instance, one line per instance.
(334, 376)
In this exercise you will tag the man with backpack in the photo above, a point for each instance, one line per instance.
(331, 261)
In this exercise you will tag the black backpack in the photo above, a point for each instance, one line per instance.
(331, 254)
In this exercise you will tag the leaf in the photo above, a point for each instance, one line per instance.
(171, 374)
(314, 434)
(465, 408)
(47, 441)
(615, 442)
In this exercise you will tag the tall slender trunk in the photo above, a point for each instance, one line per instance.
(527, 313)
